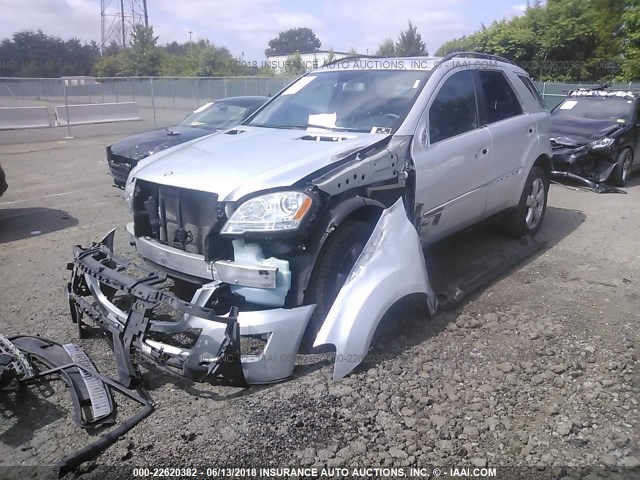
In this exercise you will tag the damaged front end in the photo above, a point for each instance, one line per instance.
(200, 343)
(204, 343)
(589, 166)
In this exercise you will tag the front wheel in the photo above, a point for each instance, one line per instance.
(332, 268)
(526, 218)
(621, 172)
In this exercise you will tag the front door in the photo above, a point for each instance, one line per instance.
(450, 151)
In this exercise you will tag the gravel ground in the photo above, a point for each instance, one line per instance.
(539, 368)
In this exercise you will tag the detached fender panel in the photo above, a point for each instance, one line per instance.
(390, 267)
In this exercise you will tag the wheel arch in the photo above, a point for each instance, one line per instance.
(336, 214)
(543, 162)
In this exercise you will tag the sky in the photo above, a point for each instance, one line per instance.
(246, 26)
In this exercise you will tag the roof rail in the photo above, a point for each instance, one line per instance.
(486, 56)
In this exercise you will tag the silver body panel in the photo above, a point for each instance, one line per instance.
(383, 274)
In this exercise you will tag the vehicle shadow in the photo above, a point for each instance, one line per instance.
(21, 223)
(155, 378)
(457, 258)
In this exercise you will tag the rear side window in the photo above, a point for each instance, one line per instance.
(532, 88)
(501, 100)
(454, 109)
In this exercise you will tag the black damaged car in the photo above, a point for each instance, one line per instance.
(212, 117)
(595, 136)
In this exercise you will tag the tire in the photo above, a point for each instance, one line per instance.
(527, 217)
(620, 174)
(339, 254)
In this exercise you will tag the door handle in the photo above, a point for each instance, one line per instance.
(482, 152)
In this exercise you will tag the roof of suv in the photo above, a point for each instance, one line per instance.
(470, 59)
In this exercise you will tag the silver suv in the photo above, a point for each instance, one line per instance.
(306, 222)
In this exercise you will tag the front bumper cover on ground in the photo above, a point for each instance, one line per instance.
(100, 284)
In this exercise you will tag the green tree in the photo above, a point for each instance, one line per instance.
(410, 43)
(300, 40)
(631, 42)
(35, 54)
(295, 65)
(387, 48)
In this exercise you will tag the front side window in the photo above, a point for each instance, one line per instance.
(502, 102)
(454, 109)
(345, 100)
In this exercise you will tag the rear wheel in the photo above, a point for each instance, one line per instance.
(333, 266)
(621, 173)
(526, 218)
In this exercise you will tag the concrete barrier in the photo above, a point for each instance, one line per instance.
(24, 117)
(97, 113)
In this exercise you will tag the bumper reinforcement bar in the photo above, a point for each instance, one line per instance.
(99, 274)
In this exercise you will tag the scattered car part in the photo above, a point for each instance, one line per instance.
(92, 401)
(88, 389)
(390, 267)
(14, 366)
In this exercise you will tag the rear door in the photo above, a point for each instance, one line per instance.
(450, 150)
(514, 138)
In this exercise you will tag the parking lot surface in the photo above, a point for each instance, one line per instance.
(540, 367)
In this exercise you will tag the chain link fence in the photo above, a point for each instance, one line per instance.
(163, 101)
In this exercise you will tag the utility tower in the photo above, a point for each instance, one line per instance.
(117, 19)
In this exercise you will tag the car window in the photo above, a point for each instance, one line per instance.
(532, 88)
(454, 110)
(501, 100)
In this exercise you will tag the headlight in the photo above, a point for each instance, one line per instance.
(129, 188)
(602, 143)
(275, 212)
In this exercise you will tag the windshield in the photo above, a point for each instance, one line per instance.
(348, 100)
(215, 116)
(618, 110)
